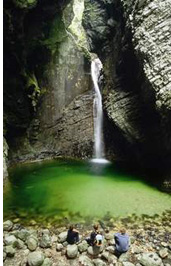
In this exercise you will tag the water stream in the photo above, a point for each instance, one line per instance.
(96, 67)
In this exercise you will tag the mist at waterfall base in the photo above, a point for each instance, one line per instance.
(68, 189)
(96, 67)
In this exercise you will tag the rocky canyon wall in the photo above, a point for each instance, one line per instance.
(48, 96)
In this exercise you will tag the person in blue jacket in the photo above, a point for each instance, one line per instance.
(121, 242)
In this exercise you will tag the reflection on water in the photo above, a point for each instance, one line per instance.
(78, 189)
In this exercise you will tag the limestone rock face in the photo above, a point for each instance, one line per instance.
(137, 78)
(50, 93)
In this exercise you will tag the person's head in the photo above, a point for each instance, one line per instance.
(123, 230)
(71, 227)
(96, 227)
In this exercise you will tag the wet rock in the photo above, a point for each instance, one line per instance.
(7, 225)
(99, 262)
(10, 240)
(150, 259)
(32, 243)
(83, 246)
(59, 247)
(72, 251)
(163, 253)
(62, 237)
(85, 261)
(10, 251)
(35, 258)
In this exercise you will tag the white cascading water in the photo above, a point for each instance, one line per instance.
(96, 67)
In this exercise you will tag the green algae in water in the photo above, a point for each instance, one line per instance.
(76, 190)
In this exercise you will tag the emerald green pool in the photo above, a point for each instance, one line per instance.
(78, 190)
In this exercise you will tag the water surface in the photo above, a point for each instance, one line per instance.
(77, 190)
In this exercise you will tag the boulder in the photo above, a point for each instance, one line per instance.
(35, 258)
(109, 236)
(94, 251)
(150, 259)
(10, 240)
(163, 253)
(99, 262)
(32, 243)
(72, 251)
(45, 241)
(23, 234)
(62, 237)
(20, 244)
(83, 246)
(126, 263)
(59, 247)
(47, 262)
(10, 251)
(110, 249)
(7, 225)
(85, 261)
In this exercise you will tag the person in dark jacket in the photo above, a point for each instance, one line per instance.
(121, 242)
(73, 235)
(92, 239)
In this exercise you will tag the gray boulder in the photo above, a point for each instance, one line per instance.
(10, 240)
(150, 259)
(163, 253)
(47, 262)
(10, 251)
(23, 234)
(20, 244)
(35, 258)
(7, 225)
(83, 246)
(32, 243)
(59, 247)
(110, 249)
(72, 251)
(45, 241)
(62, 237)
(94, 251)
(99, 262)
(126, 263)
(85, 261)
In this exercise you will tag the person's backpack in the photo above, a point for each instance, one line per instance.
(98, 240)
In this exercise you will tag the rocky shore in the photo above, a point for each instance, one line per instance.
(34, 246)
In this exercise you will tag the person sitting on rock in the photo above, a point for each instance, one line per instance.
(72, 236)
(91, 240)
(121, 242)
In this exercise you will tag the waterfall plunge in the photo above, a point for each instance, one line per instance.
(96, 67)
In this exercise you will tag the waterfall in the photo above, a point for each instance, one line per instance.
(96, 67)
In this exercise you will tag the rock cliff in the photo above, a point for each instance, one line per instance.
(47, 85)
